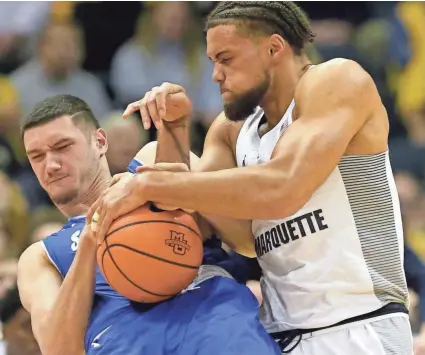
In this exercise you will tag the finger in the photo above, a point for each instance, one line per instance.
(90, 215)
(144, 168)
(172, 208)
(176, 167)
(101, 212)
(172, 88)
(165, 207)
(131, 108)
(173, 167)
(116, 178)
(161, 103)
(144, 113)
(104, 227)
(151, 104)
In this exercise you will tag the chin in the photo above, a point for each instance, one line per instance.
(64, 198)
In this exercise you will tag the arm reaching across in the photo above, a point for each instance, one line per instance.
(217, 155)
(60, 309)
(333, 104)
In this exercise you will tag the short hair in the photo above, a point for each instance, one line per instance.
(57, 106)
(10, 304)
(284, 18)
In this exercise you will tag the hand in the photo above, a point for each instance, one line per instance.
(167, 102)
(88, 236)
(124, 196)
(175, 167)
(419, 345)
(118, 177)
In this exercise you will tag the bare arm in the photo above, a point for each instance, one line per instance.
(237, 234)
(60, 309)
(218, 155)
(332, 111)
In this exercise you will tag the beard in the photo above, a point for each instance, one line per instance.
(245, 104)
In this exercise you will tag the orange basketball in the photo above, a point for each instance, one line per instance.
(149, 255)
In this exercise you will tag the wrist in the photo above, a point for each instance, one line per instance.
(87, 244)
(178, 123)
(144, 185)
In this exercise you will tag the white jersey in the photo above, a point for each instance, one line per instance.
(341, 254)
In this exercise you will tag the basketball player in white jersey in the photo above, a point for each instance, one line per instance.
(301, 153)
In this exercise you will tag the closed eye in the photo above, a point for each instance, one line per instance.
(36, 157)
(63, 147)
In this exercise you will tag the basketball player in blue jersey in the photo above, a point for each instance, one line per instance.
(301, 151)
(73, 310)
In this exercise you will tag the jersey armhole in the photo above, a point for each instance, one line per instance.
(50, 258)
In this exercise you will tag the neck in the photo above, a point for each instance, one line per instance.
(282, 90)
(81, 207)
(52, 75)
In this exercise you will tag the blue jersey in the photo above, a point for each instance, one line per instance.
(216, 316)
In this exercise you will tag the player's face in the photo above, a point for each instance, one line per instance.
(64, 158)
(240, 68)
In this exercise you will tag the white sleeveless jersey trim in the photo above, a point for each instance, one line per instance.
(50, 258)
(341, 254)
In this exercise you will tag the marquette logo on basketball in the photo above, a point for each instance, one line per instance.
(178, 243)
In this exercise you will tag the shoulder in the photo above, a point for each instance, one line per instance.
(67, 237)
(337, 83)
(25, 73)
(87, 78)
(130, 51)
(225, 129)
(33, 255)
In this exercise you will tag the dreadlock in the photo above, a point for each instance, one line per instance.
(265, 18)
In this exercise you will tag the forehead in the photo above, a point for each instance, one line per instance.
(226, 37)
(51, 132)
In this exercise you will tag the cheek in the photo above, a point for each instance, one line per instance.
(38, 169)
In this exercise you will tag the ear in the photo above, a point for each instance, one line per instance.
(101, 141)
(277, 46)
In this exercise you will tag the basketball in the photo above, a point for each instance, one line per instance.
(150, 255)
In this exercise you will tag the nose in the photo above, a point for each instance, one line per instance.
(218, 75)
(52, 164)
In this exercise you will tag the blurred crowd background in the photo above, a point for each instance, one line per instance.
(111, 53)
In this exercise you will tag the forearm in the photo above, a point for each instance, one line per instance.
(65, 326)
(244, 193)
(236, 233)
(174, 142)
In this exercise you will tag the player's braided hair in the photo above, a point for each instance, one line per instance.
(266, 17)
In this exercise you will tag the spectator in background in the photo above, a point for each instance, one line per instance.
(125, 138)
(412, 204)
(13, 219)
(20, 22)
(168, 46)
(45, 220)
(56, 70)
(18, 338)
(415, 278)
(410, 83)
(12, 156)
